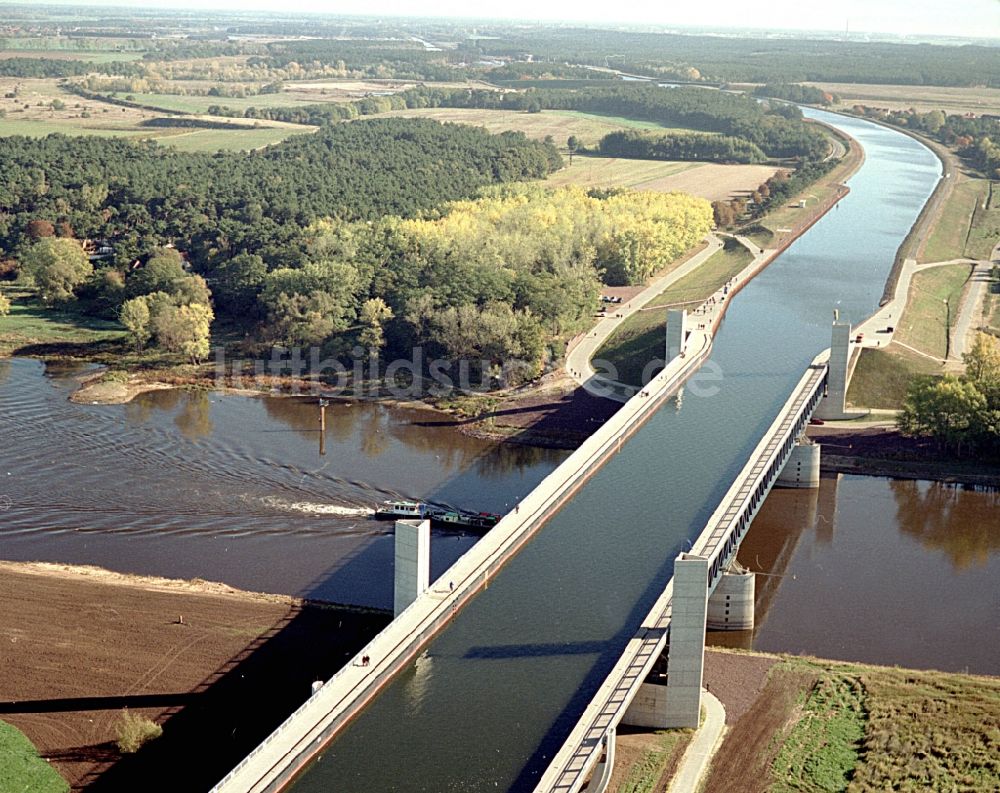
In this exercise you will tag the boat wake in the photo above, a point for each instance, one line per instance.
(314, 508)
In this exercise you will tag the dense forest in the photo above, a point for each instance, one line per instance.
(63, 67)
(138, 193)
(350, 236)
(792, 92)
(744, 59)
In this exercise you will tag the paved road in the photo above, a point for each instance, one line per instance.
(702, 748)
(970, 313)
(578, 360)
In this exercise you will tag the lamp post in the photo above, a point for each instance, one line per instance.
(947, 329)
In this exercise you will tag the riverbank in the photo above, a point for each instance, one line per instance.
(215, 666)
(884, 451)
(810, 723)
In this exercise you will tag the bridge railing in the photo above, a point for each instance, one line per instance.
(568, 770)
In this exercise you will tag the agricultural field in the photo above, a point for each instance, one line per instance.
(92, 56)
(922, 97)
(588, 128)
(32, 113)
(712, 181)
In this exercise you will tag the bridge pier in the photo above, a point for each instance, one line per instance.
(834, 404)
(412, 571)
(676, 332)
(678, 704)
(802, 468)
(731, 605)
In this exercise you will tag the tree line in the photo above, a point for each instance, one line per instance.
(647, 145)
(500, 277)
(974, 137)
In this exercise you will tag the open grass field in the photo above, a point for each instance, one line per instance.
(924, 322)
(950, 233)
(922, 97)
(984, 231)
(589, 128)
(827, 726)
(30, 323)
(184, 139)
(708, 180)
(639, 339)
(21, 768)
(31, 113)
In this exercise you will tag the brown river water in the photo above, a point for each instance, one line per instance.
(195, 484)
(887, 571)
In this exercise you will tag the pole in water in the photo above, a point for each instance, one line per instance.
(322, 425)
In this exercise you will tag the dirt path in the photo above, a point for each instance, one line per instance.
(213, 665)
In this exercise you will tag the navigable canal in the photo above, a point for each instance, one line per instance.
(491, 700)
(234, 489)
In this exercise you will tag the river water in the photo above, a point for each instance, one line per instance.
(227, 488)
(933, 602)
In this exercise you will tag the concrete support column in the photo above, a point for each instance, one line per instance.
(676, 332)
(802, 467)
(413, 562)
(686, 660)
(730, 608)
(833, 405)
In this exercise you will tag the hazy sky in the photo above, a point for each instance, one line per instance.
(956, 18)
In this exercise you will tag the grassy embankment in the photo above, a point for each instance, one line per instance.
(825, 726)
(21, 769)
(924, 324)
(882, 377)
(639, 339)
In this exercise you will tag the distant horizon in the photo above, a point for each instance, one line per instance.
(979, 19)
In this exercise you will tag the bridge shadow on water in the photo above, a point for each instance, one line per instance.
(608, 654)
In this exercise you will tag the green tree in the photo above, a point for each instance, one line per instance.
(134, 315)
(374, 313)
(573, 145)
(4, 305)
(185, 329)
(57, 266)
(947, 409)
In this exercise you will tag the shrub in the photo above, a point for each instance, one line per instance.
(134, 730)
